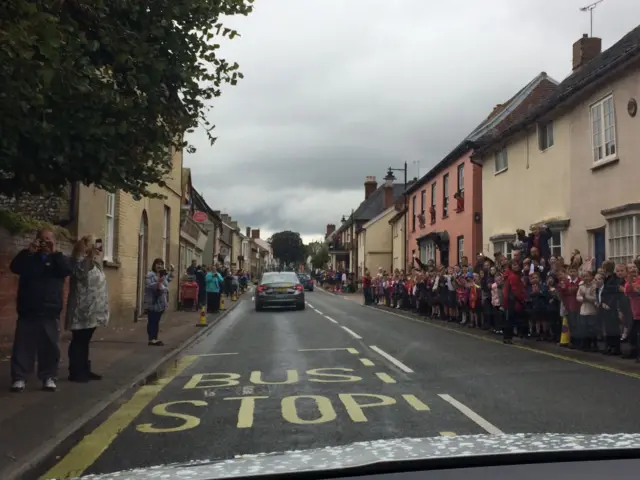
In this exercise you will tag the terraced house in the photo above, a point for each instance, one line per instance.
(576, 153)
(445, 206)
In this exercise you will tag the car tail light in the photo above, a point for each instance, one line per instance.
(299, 287)
(260, 288)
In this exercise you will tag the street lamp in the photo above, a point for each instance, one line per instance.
(388, 181)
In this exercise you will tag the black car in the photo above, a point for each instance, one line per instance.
(306, 281)
(279, 289)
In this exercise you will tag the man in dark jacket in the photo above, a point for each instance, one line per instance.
(39, 303)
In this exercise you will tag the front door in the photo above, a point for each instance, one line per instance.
(599, 247)
(143, 235)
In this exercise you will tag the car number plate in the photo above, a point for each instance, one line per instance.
(282, 290)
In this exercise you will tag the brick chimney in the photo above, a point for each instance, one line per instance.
(388, 197)
(330, 229)
(585, 50)
(255, 233)
(248, 232)
(370, 186)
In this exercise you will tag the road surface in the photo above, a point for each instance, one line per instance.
(338, 373)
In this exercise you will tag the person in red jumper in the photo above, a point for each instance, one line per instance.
(514, 299)
(568, 289)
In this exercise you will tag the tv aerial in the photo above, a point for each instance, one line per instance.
(590, 8)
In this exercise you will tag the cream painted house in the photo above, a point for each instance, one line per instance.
(571, 162)
(375, 242)
(134, 233)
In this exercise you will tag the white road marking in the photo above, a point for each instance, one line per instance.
(253, 298)
(350, 350)
(486, 425)
(393, 360)
(318, 311)
(351, 332)
(248, 390)
(215, 354)
(309, 305)
(330, 319)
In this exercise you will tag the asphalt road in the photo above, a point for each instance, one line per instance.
(337, 373)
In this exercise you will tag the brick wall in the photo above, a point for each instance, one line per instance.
(10, 245)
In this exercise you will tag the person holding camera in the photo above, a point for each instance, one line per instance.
(87, 306)
(156, 298)
(39, 302)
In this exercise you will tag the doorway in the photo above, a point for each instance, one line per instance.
(143, 242)
(599, 247)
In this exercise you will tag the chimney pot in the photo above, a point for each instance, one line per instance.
(370, 186)
(585, 49)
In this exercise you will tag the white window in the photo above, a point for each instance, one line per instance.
(460, 248)
(461, 178)
(545, 135)
(428, 252)
(504, 247)
(603, 130)
(445, 195)
(109, 231)
(502, 161)
(624, 238)
(166, 237)
(555, 244)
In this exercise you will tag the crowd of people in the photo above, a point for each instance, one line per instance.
(528, 294)
(42, 272)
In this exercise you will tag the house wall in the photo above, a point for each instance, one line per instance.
(378, 245)
(613, 184)
(122, 273)
(534, 188)
(455, 223)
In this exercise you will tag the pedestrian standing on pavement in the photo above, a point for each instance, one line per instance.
(42, 271)
(156, 298)
(214, 285)
(87, 306)
(514, 300)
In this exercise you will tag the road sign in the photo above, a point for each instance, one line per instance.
(199, 216)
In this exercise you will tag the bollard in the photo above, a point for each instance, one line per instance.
(234, 297)
(202, 322)
(565, 336)
(222, 307)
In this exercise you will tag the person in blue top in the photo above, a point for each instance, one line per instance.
(213, 283)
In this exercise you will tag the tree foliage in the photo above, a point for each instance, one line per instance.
(288, 247)
(312, 248)
(321, 257)
(97, 91)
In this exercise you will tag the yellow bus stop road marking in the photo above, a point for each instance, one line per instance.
(89, 449)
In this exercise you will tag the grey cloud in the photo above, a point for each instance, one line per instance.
(336, 90)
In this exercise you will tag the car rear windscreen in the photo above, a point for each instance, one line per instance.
(283, 277)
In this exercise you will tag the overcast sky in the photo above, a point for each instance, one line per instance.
(336, 90)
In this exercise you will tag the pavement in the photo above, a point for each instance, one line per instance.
(339, 372)
(34, 422)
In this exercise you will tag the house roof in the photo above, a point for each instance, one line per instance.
(499, 119)
(370, 207)
(627, 48)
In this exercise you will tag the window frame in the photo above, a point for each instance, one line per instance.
(413, 207)
(423, 202)
(553, 245)
(633, 238)
(445, 195)
(600, 104)
(501, 153)
(166, 235)
(433, 194)
(543, 135)
(110, 228)
(504, 247)
(461, 178)
(460, 248)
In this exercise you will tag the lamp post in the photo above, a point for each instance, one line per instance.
(388, 180)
